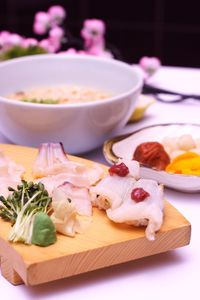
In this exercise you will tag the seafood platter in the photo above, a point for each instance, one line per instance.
(62, 215)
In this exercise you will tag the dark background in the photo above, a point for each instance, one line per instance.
(169, 29)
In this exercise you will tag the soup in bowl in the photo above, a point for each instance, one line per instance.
(79, 100)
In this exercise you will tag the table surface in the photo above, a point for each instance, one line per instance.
(173, 274)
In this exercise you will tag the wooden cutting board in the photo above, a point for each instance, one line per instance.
(103, 244)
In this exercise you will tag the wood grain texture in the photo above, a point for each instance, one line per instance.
(9, 273)
(103, 244)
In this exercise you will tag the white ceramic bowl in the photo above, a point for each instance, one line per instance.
(81, 127)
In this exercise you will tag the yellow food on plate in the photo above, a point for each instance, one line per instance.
(143, 103)
(187, 163)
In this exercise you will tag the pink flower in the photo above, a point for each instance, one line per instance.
(46, 45)
(29, 42)
(82, 52)
(57, 14)
(56, 33)
(5, 34)
(73, 51)
(93, 28)
(69, 51)
(9, 40)
(15, 39)
(4, 37)
(41, 23)
(149, 64)
(39, 28)
(93, 34)
(42, 17)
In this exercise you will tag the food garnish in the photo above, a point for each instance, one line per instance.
(119, 169)
(152, 154)
(65, 216)
(176, 146)
(44, 232)
(187, 163)
(21, 208)
(139, 194)
(141, 106)
(41, 101)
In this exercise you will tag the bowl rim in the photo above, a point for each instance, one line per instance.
(116, 98)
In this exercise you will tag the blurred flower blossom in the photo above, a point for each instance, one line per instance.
(93, 34)
(69, 51)
(47, 45)
(41, 22)
(9, 40)
(29, 42)
(149, 65)
(49, 23)
(56, 14)
(74, 51)
(39, 28)
(56, 35)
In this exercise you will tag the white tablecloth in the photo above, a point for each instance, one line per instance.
(174, 274)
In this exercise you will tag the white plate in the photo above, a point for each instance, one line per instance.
(176, 79)
(124, 147)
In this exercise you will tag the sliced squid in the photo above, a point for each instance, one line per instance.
(10, 174)
(111, 191)
(79, 196)
(53, 181)
(52, 161)
(146, 213)
(113, 194)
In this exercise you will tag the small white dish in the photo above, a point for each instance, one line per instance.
(124, 147)
(82, 126)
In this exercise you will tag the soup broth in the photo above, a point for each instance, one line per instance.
(60, 95)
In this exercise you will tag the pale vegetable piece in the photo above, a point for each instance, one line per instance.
(171, 143)
(186, 142)
(79, 196)
(44, 233)
(142, 105)
(52, 161)
(65, 217)
(148, 212)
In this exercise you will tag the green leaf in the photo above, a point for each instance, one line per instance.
(18, 51)
(41, 101)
